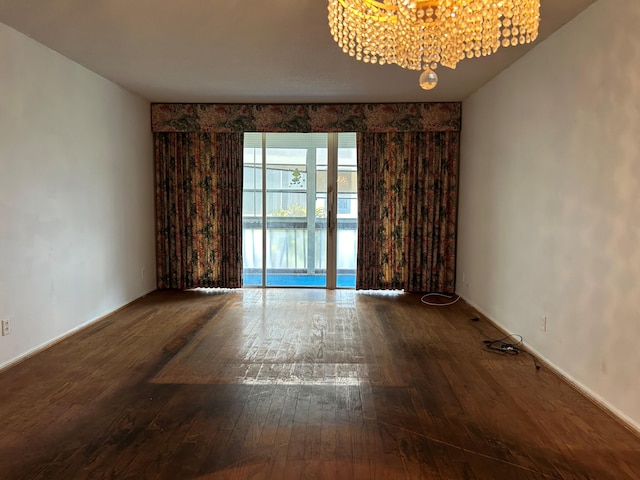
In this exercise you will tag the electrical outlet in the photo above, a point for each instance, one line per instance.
(6, 327)
(543, 323)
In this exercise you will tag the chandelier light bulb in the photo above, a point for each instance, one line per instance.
(422, 34)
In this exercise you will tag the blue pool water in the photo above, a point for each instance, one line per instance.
(301, 280)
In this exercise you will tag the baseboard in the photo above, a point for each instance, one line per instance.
(603, 404)
(64, 336)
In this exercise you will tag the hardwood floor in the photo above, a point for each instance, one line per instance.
(298, 384)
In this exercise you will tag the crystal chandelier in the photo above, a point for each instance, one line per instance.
(419, 35)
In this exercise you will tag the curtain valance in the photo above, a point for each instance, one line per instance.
(365, 117)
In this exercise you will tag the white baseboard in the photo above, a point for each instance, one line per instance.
(601, 402)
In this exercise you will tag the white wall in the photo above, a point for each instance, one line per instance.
(550, 201)
(76, 195)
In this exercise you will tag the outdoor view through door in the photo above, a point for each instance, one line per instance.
(303, 187)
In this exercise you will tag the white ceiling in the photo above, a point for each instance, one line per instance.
(277, 51)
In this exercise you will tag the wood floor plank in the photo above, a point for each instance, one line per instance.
(298, 384)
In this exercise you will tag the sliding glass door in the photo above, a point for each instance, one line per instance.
(299, 210)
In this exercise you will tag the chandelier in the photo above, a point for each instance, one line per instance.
(420, 35)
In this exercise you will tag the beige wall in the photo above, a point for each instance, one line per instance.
(76, 195)
(550, 201)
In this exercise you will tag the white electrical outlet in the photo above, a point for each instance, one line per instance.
(6, 327)
(543, 323)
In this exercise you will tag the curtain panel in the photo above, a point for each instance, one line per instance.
(407, 194)
(198, 209)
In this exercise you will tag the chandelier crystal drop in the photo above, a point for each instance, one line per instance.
(420, 35)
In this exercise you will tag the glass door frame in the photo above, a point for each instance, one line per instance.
(332, 211)
(329, 232)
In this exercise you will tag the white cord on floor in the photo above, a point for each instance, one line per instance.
(438, 295)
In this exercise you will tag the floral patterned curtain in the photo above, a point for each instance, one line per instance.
(408, 165)
(315, 117)
(407, 194)
(199, 209)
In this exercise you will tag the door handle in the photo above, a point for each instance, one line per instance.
(330, 207)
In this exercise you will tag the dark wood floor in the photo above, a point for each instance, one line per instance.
(300, 384)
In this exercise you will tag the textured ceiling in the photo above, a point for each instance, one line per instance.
(278, 51)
